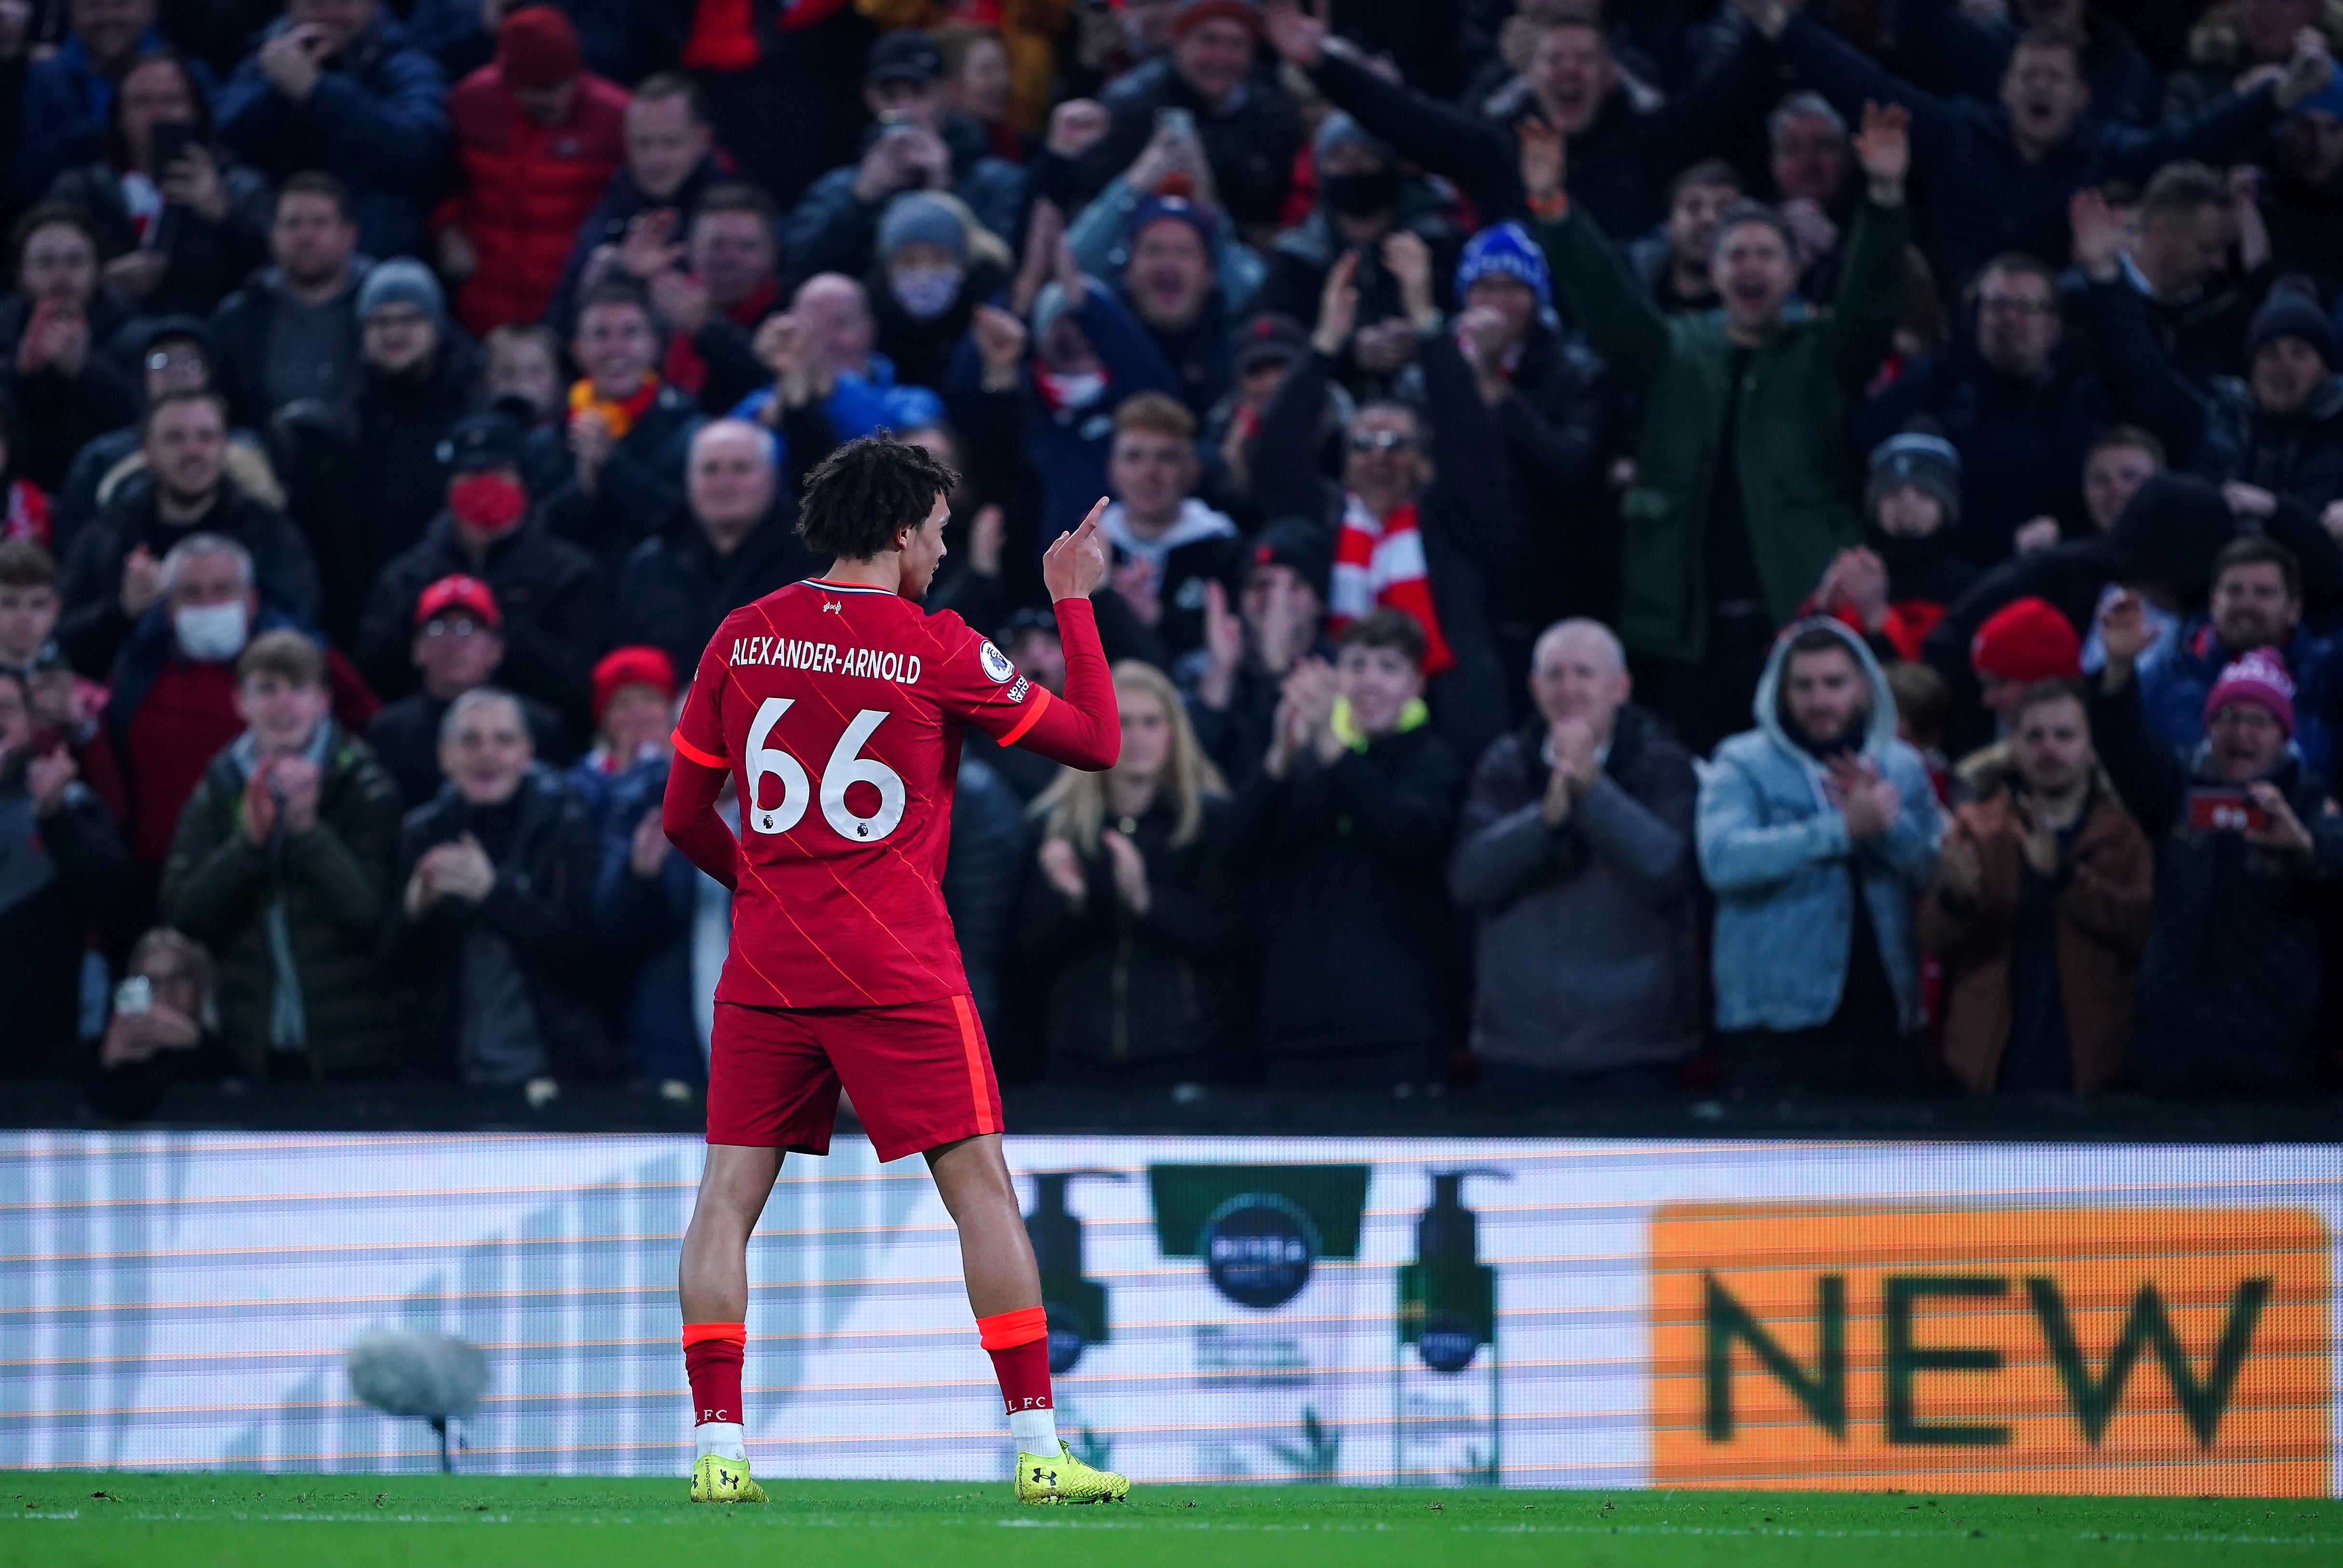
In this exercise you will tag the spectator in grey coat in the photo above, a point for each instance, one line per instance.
(1577, 854)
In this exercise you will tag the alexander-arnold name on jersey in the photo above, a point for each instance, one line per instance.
(828, 658)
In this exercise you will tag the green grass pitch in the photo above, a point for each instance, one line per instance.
(68, 1520)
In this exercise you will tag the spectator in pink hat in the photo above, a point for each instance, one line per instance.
(2247, 844)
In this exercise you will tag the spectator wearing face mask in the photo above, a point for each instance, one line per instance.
(497, 929)
(1576, 857)
(1050, 389)
(2041, 908)
(916, 142)
(171, 703)
(114, 576)
(1345, 827)
(281, 865)
(2246, 846)
(459, 646)
(2257, 605)
(1363, 196)
(549, 592)
(934, 267)
(62, 865)
(1818, 833)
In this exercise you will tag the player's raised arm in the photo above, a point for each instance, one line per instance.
(1084, 729)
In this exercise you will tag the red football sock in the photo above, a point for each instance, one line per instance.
(1019, 1343)
(712, 1355)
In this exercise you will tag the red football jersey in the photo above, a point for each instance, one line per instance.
(838, 710)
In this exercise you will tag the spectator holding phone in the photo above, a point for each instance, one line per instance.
(2040, 912)
(179, 223)
(2246, 836)
(165, 1028)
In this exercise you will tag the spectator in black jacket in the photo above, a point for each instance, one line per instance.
(1575, 854)
(1996, 176)
(1246, 125)
(114, 575)
(2018, 412)
(212, 225)
(292, 332)
(459, 646)
(732, 542)
(549, 591)
(1545, 387)
(337, 86)
(163, 1029)
(670, 164)
(62, 864)
(369, 477)
(983, 875)
(497, 930)
(2247, 845)
(1345, 829)
(1953, 51)
(1132, 921)
(1437, 472)
(52, 336)
(616, 468)
(1621, 155)
(1235, 681)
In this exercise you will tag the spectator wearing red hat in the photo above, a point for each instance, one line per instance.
(538, 139)
(459, 646)
(2247, 848)
(2024, 642)
(1217, 74)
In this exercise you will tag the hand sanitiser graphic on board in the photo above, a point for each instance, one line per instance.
(1076, 1303)
(1444, 1409)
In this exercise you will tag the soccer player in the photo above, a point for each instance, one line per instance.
(836, 704)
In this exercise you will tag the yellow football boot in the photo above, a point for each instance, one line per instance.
(1062, 1478)
(716, 1479)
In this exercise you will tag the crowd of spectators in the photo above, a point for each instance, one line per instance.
(1774, 548)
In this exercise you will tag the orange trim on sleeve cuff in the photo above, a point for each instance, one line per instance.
(694, 1334)
(1032, 715)
(1007, 1331)
(695, 753)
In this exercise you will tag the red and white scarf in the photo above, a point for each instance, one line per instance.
(1380, 563)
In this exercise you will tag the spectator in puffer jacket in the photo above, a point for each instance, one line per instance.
(1575, 854)
(2249, 847)
(537, 139)
(1346, 828)
(1818, 832)
(337, 86)
(281, 866)
(2041, 907)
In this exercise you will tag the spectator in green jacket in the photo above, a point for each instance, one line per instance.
(282, 866)
(1745, 485)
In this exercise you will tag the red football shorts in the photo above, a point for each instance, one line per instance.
(921, 1075)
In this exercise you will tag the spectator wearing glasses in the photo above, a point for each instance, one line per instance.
(459, 646)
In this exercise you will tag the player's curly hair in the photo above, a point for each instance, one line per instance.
(859, 496)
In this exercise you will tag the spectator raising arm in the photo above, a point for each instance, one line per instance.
(1591, 278)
